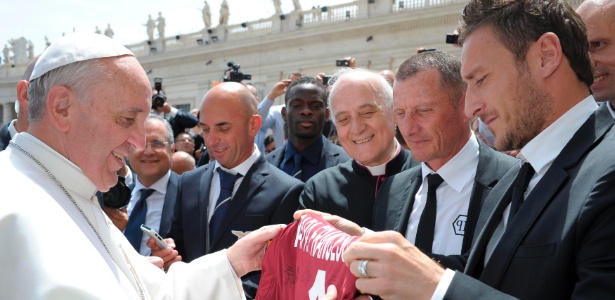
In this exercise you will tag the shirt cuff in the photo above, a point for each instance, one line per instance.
(173, 112)
(443, 285)
(237, 279)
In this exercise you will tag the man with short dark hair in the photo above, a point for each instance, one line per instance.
(269, 144)
(307, 151)
(436, 205)
(184, 142)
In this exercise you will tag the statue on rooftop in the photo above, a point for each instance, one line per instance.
(297, 5)
(224, 13)
(5, 53)
(151, 26)
(109, 31)
(19, 47)
(161, 24)
(278, 7)
(206, 15)
(30, 50)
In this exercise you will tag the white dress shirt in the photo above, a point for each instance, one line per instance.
(453, 200)
(155, 203)
(242, 169)
(272, 119)
(540, 152)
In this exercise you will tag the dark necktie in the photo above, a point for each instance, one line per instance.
(137, 217)
(521, 183)
(427, 223)
(227, 183)
(293, 170)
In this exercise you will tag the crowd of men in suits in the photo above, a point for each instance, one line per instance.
(464, 221)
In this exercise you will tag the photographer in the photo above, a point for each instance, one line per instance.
(178, 119)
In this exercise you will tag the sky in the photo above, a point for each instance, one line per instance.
(36, 19)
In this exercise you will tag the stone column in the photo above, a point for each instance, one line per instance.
(363, 9)
(7, 112)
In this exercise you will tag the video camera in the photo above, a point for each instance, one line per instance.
(342, 63)
(159, 98)
(235, 75)
(452, 38)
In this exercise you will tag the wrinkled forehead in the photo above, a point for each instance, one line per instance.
(354, 93)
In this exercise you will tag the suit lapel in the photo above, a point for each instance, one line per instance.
(278, 156)
(484, 180)
(203, 208)
(255, 177)
(406, 202)
(169, 203)
(592, 131)
(533, 205)
(328, 155)
(490, 217)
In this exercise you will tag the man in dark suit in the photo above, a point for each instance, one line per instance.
(154, 186)
(546, 228)
(21, 123)
(208, 215)
(429, 99)
(5, 135)
(306, 113)
(361, 103)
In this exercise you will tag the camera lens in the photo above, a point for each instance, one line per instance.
(118, 196)
(158, 101)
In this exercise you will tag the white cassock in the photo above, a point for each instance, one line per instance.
(49, 251)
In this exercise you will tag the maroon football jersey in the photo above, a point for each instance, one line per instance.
(304, 259)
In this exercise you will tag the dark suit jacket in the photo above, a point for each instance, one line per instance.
(330, 156)
(5, 136)
(265, 196)
(169, 204)
(560, 243)
(181, 121)
(396, 198)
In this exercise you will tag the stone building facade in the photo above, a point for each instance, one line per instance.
(380, 34)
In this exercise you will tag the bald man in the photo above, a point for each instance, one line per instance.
(258, 193)
(182, 162)
(599, 18)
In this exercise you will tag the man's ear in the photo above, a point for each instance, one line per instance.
(255, 124)
(22, 94)
(59, 100)
(283, 112)
(549, 54)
